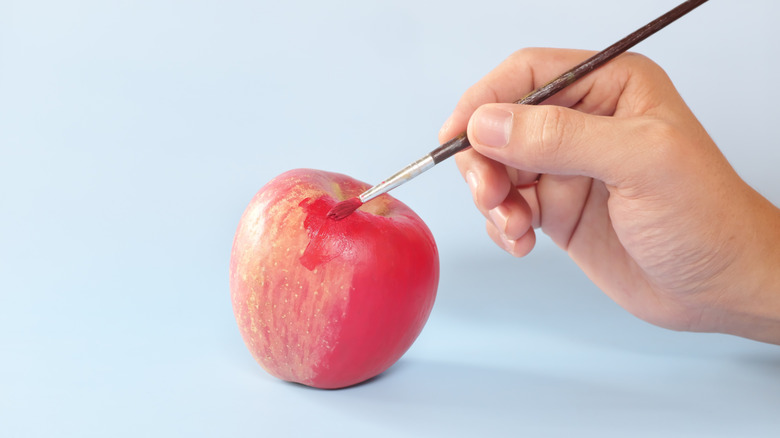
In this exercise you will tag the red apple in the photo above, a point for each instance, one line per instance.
(330, 303)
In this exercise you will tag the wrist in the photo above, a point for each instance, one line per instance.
(752, 306)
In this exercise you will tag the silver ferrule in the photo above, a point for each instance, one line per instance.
(404, 175)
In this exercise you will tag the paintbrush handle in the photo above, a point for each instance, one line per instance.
(451, 147)
(461, 141)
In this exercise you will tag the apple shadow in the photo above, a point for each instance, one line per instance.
(435, 398)
(419, 397)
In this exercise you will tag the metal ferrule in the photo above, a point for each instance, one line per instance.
(404, 175)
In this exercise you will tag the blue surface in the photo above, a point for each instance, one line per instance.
(133, 134)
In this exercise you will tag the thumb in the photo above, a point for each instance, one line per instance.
(554, 140)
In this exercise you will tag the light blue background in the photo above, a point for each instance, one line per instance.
(134, 133)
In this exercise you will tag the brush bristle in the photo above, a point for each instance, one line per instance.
(344, 208)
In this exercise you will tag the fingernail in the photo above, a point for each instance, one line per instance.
(500, 217)
(509, 244)
(492, 126)
(471, 178)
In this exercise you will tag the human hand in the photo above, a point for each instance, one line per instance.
(620, 174)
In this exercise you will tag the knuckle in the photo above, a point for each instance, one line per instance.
(662, 140)
(523, 54)
(642, 70)
(664, 147)
(635, 58)
(638, 63)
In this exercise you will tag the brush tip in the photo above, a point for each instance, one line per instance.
(344, 208)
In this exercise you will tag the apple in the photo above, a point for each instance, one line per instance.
(330, 303)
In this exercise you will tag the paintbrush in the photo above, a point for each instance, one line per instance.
(461, 141)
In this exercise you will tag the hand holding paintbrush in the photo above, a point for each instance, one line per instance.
(631, 186)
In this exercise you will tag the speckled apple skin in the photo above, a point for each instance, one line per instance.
(329, 303)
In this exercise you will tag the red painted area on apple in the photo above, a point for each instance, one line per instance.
(330, 303)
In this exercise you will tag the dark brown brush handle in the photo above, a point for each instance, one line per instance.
(461, 142)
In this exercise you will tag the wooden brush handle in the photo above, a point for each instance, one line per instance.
(461, 141)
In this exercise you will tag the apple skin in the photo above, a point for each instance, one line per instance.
(329, 303)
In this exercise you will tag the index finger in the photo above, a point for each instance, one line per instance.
(528, 69)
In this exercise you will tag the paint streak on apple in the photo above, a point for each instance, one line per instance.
(330, 303)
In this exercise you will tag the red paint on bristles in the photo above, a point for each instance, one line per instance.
(344, 208)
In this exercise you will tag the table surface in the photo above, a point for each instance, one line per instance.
(133, 134)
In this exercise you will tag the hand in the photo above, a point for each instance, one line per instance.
(620, 174)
